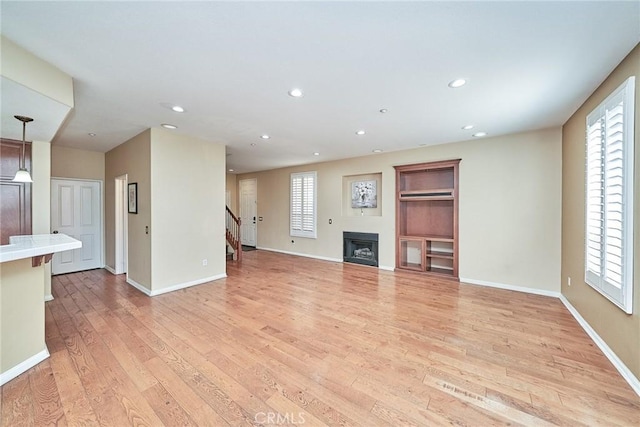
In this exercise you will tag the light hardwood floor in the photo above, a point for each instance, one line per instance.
(294, 341)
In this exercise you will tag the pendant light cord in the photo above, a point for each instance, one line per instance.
(24, 129)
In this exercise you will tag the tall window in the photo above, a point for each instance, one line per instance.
(303, 204)
(609, 197)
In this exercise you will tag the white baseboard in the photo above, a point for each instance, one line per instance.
(22, 367)
(110, 270)
(177, 287)
(187, 284)
(138, 286)
(602, 345)
(613, 358)
(534, 291)
(324, 258)
(48, 298)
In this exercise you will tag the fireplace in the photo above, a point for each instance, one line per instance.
(360, 248)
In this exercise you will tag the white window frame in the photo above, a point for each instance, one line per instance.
(301, 213)
(609, 199)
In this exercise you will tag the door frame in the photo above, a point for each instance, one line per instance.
(255, 186)
(102, 227)
(121, 241)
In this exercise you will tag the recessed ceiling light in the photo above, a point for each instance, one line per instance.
(265, 136)
(479, 134)
(169, 126)
(177, 109)
(383, 110)
(457, 83)
(230, 170)
(253, 144)
(316, 154)
(377, 150)
(360, 132)
(467, 127)
(91, 134)
(296, 93)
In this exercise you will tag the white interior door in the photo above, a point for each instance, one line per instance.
(76, 211)
(248, 211)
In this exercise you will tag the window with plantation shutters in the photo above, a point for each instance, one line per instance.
(609, 197)
(303, 204)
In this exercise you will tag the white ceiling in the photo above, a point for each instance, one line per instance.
(529, 66)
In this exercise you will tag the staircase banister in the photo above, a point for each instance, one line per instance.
(236, 219)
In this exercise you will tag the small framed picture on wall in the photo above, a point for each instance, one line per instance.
(364, 194)
(133, 197)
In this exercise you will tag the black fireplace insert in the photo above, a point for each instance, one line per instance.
(360, 248)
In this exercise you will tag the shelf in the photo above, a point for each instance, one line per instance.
(426, 195)
(426, 199)
(443, 271)
(432, 238)
(437, 254)
(412, 266)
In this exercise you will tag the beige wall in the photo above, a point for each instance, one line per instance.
(187, 194)
(32, 72)
(76, 164)
(620, 331)
(510, 203)
(132, 158)
(232, 188)
(21, 312)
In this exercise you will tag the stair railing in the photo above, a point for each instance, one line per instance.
(233, 224)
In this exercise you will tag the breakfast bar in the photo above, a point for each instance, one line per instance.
(22, 278)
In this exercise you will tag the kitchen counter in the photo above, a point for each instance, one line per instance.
(22, 283)
(20, 247)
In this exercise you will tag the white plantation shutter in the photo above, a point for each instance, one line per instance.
(303, 204)
(609, 196)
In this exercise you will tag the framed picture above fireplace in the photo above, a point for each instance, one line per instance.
(364, 194)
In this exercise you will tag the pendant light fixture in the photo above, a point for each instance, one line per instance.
(23, 174)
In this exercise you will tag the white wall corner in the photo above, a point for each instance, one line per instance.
(48, 298)
(626, 373)
(187, 285)
(22, 367)
(602, 345)
(110, 270)
(138, 286)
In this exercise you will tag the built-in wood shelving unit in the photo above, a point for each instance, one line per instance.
(427, 218)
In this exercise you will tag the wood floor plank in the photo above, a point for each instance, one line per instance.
(167, 408)
(17, 402)
(283, 339)
(189, 401)
(75, 402)
(48, 409)
(135, 369)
